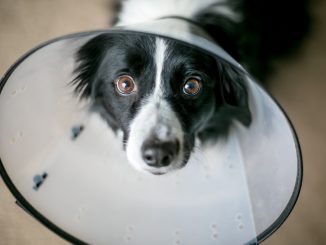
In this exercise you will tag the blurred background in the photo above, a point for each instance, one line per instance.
(299, 84)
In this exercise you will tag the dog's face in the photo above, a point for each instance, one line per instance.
(161, 94)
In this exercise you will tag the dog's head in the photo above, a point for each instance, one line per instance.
(161, 94)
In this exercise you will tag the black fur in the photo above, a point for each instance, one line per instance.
(97, 71)
(268, 30)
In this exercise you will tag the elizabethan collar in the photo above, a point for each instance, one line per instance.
(87, 193)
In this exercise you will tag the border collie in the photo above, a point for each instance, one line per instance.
(164, 96)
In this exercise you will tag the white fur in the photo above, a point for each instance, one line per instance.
(157, 116)
(138, 11)
(227, 11)
(159, 61)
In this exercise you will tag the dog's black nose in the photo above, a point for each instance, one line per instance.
(158, 154)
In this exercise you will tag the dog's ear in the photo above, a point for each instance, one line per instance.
(232, 103)
(233, 94)
(88, 59)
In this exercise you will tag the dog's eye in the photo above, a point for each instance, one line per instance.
(192, 87)
(125, 85)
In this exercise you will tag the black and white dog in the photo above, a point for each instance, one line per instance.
(164, 96)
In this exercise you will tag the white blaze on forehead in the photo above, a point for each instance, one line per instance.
(159, 62)
(154, 116)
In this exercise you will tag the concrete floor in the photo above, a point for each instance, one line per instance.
(299, 85)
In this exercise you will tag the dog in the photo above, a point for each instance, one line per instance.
(164, 97)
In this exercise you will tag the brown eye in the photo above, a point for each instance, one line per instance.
(192, 87)
(125, 85)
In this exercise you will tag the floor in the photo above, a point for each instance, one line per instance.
(298, 85)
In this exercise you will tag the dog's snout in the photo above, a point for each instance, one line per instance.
(158, 153)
